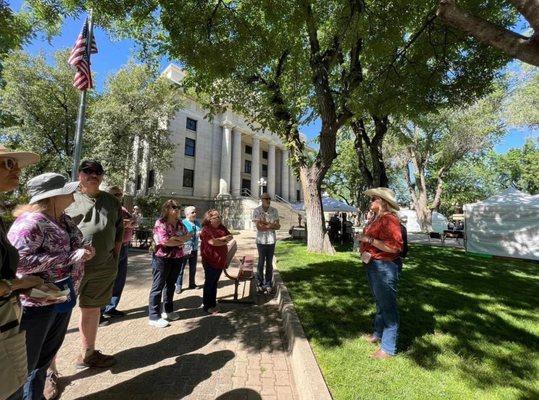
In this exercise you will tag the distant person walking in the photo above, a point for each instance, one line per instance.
(190, 248)
(266, 219)
(381, 243)
(169, 236)
(98, 215)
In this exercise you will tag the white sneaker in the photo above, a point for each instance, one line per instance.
(171, 316)
(158, 323)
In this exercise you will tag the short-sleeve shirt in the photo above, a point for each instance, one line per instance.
(387, 229)
(49, 249)
(271, 215)
(194, 229)
(100, 221)
(214, 256)
(163, 231)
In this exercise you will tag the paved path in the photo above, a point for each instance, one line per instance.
(238, 354)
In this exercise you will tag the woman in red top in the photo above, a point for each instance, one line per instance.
(381, 243)
(213, 246)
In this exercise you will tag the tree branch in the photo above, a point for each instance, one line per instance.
(509, 42)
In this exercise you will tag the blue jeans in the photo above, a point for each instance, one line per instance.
(45, 332)
(119, 282)
(164, 272)
(211, 279)
(383, 277)
(265, 256)
(192, 260)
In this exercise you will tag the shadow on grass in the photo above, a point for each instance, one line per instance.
(475, 301)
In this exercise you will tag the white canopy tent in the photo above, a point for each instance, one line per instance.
(504, 225)
(439, 221)
(330, 205)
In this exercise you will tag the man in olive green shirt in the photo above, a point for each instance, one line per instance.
(98, 215)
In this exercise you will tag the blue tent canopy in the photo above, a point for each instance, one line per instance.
(329, 205)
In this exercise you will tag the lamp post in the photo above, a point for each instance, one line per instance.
(261, 183)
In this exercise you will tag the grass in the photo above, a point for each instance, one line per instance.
(469, 325)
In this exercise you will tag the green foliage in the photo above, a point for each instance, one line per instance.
(150, 206)
(135, 104)
(463, 334)
(43, 104)
(523, 107)
(472, 179)
(520, 167)
(14, 29)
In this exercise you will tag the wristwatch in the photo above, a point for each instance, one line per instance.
(9, 285)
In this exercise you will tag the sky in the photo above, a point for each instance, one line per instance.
(114, 54)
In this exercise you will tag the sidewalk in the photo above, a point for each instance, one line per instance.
(238, 354)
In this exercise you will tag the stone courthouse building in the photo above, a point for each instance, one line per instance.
(218, 163)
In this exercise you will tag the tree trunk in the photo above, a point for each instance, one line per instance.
(377, 177)
(418, 191)
(511, 43)
(317, 237)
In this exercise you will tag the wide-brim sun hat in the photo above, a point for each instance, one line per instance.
(23, 158)
(48, 185)
(384, 193)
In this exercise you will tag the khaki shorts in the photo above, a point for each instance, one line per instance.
(96, 287)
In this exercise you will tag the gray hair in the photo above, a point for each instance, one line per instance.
(189, 210)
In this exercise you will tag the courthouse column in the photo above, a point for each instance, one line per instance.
(226, 153)
(285, 176)
(236, 164)
(255, 167)
(292, 186)
(271, 169)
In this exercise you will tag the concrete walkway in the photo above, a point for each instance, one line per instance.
(238, 354)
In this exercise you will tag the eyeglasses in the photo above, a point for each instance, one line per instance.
(91, 171)
(10, 164)
(118, 195)
(374, 199)
(212, 218)
(176, 207)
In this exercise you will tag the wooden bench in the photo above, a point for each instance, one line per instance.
(245, 274)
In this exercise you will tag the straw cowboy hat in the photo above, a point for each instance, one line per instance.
(386, 194)
(48, 185)
(23, 158)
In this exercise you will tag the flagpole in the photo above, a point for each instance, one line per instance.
(82, 107)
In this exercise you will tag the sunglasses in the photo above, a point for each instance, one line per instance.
(176, 207)
(118, 195)
(215, 218)
(374, 199)
(92, 171)
(10, 164)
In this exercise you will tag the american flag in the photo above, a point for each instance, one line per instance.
(80, 59)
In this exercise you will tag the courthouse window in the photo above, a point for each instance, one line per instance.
(265, 170)
(188, 177)
(191, 124)
(248, 149)
(151, 178)
(247, 168)
(190, 147)
(265, 155)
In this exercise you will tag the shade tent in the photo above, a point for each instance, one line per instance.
(439, 221)
(504, 225)
(330, 205)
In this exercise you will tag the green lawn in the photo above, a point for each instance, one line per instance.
(469, 325)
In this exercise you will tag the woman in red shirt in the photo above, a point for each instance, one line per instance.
(381, 243)
(213, 246)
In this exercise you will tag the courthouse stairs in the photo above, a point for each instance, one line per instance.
(237, 212)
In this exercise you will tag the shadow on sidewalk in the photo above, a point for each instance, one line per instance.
(203, 332)
(240, 394)
(174, 381)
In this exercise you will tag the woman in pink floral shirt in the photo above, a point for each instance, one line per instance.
(169, 235)
(50, 246)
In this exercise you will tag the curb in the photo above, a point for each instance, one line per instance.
(308, 378)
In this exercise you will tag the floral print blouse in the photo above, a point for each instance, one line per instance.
(50, 250)
(163, 231)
